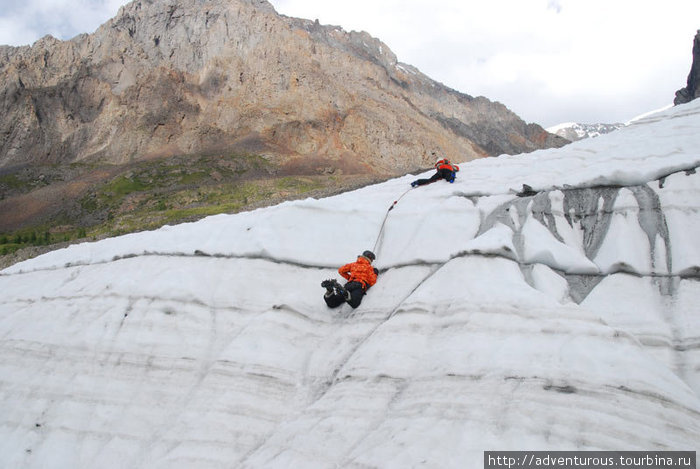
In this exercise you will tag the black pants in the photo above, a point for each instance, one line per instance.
(445, 174)
(356, 293)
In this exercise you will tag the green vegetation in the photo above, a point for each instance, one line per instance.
(10, 243)
(149, 194)
(153, 209)
(11, 181)
(123, 186)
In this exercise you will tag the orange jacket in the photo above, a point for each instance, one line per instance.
(444, 164)
(359, 271)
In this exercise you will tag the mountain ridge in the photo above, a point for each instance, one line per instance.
(237, 75)
(574, 131)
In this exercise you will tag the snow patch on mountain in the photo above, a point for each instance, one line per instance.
(574, 131)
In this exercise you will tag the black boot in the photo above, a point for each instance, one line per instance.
(342, 291)
(328, 285)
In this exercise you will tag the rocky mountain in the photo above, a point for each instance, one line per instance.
(692, 90)
(181, 77)
(574, 131)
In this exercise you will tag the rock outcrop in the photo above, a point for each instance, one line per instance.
(179, 77)
(692, 90)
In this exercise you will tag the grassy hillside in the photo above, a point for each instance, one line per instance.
(46, 207)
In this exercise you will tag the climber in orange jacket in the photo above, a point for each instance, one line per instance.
(445, 170)
(360, 275)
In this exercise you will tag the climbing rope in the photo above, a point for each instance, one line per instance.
(381, 229)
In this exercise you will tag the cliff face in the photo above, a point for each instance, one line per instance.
(180, 77)
(692, 91)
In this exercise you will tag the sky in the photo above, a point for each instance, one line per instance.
(549, 61)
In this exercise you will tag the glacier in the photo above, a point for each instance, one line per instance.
(563, 318)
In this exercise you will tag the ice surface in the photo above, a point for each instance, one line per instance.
(562, 320)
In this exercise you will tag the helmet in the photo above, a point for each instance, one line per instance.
(442, 161)
(369, 255)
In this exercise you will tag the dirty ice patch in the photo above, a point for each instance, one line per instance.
(679, 197)
(496, 241)
(626, 245)
(550, 283)
(541, 247)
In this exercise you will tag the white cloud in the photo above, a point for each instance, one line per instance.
(24, 23)
(580, 60)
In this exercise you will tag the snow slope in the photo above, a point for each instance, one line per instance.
(562, 320)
